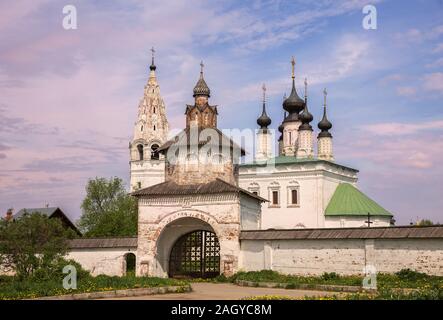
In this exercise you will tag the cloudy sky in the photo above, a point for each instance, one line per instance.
(68, 98)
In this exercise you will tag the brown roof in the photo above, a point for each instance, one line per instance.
(172, 188)
(409, 232)
(183, 139)
(89, 243)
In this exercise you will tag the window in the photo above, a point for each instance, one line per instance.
(154, 127)
(139, 185)
(140, 151)
(274, 194)
(275, 198)
(154, 152)
(141, 128)
(154, 109)
(294, 196)
(254, 188)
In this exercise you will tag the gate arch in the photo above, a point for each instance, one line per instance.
(195, 254)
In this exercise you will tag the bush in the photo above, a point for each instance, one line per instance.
(327, 276)
(410, 275)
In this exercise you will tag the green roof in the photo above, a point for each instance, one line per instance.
(281, 160)
(347, 200)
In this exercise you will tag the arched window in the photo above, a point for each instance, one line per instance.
(141, 128)
(154, 152)
(130, 263)
(154, 127)
(154, 109)
(140, 151)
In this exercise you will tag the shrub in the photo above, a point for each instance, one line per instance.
(330, 276)
(410, 275)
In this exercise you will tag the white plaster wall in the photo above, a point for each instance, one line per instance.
(147, 172)
(343, 256)
(109, 261)
(317, 183)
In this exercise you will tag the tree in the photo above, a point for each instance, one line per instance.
(108, 210)
(32, 243)
(425, 222)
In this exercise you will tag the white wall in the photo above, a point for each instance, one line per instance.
(343, 256)
(316, 182)
(109, 261)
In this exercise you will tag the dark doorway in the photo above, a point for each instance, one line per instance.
(195, 255)
(130, 264)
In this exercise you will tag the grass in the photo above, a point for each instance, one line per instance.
(12, 288)
(403, 279)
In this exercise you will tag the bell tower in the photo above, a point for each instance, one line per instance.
(150, 132)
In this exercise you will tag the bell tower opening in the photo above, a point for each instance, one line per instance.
(140, 151)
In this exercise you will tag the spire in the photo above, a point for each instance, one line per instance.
(293, 104)
(264, 121)
(324, 125)
(201, 88)
(306, 117)
(152, 67)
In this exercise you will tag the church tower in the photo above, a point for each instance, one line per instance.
(305, 146)
(263, 142)
(151, 130)
(324, 139)
(293, 105)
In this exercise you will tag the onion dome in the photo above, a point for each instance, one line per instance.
(324, 125)
(264, 121)
(201, 88)
(293, 104)
(306, 117)
(152, 67)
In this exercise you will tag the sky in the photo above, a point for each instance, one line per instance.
(68, 98)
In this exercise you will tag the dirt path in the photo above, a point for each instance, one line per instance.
(228, 291)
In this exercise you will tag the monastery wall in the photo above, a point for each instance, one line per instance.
(343, 256)
(109, 261)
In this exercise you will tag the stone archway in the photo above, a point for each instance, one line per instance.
(196, 255)
(179, 233)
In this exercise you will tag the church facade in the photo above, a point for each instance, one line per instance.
(195, 195)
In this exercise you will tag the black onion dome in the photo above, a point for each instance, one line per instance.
(306, 117)
(264, 121)
(201, 88)
(293, 104)
(324, 125)
(292, 117)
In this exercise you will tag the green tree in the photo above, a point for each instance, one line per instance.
(108, 210)
(32, 243)
(425, 222)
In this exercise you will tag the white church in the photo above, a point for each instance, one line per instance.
(203, 212)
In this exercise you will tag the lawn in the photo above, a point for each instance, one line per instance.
(12, 288)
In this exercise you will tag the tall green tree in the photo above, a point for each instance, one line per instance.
(32, 243)
(108, 210)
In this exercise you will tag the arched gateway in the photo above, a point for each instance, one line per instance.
(195, 254)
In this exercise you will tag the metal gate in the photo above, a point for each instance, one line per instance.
(196, 255)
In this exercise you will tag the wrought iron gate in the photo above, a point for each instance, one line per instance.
(196, 254)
